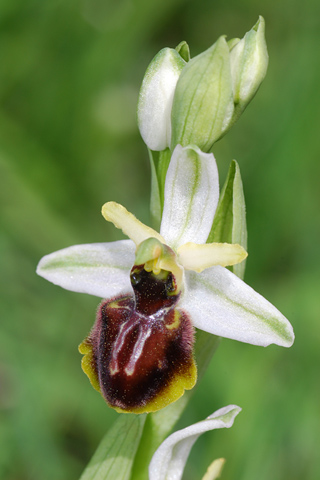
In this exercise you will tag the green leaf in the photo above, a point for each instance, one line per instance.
(229, 224)
(114, 457)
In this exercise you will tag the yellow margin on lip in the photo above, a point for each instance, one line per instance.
(87, 364)
(172, 392)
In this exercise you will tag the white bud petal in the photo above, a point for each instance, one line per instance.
(156, 96)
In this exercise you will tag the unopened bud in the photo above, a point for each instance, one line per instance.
(156, 96)
(249, 62)
(203, 101)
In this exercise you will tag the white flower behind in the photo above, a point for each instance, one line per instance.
(169, 461)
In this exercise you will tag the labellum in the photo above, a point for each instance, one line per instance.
(139, 354)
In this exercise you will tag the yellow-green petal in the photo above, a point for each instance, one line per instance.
(199, 257)
(132, 227)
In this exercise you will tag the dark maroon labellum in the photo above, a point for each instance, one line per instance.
(142, 346)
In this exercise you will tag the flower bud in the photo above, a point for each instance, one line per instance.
(183, 50)
(215, 87)
(233, 42)
(203, 101)
(249, 62)
(155, 98)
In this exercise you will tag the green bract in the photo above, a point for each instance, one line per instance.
(229, 224)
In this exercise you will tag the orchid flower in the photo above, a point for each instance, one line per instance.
(170, 458)
(159, 286)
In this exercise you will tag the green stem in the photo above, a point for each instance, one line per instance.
(159, 162)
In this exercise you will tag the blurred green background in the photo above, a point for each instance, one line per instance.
(69, 79)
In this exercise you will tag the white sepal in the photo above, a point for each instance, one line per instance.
(191, 196)
(100, 269)
(169, 460)
(220, 303)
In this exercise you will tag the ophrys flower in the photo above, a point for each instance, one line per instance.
(139, 353)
